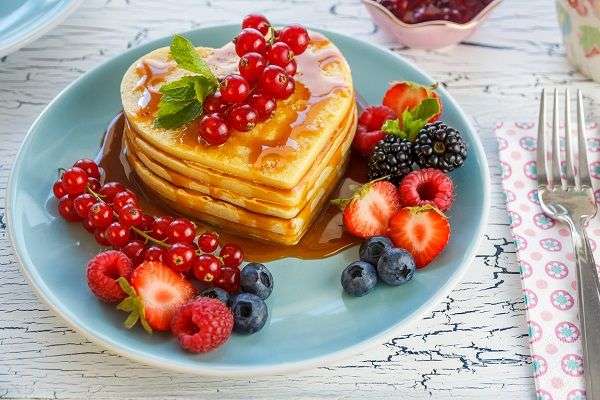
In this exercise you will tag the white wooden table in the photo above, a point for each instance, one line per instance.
(472, 346)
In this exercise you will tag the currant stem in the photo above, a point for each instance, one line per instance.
(136, 230)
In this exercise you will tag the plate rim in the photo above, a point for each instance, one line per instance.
(239, 371)
(23, 40)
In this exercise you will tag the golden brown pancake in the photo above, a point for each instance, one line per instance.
(278, 152)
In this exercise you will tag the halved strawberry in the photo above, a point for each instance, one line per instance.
(423, 231)
(406, 95)
(368, 211)
(155, 294)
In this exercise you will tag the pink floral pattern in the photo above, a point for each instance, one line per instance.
(547, 261)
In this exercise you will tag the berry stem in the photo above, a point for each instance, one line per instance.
(136, 230)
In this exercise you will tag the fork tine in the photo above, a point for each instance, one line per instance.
(555, 175)
(584, 169)
(541, 143)
(569, 172)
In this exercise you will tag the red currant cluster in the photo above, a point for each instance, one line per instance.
(266, 70)
(112, 214)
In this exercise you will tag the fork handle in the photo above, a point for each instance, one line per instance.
(589, 309)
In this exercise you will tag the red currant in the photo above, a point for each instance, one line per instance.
(232, 255)
(117, 234)
(135, 251)
(146, 223)
(123, 198)
(109, 190)
(263, 104)
(100, 236)
(100, 215)
(160, 227)
(274, 80)
(258, 22)
(234, 89)
(89, 166)
(229, 279)
(93, 184)
(289, 88)
(83, 203)
(181, 230)
(242, 117)
(207, 268)
(74, 181)
(153, 253)
(291, 68)
(213, 130)
(280, 54)
(208, 242)
(130, 215)
(250, 40)
(87, 225)
(214, 103)
(66, 209)
(180, 257)
(296, 37)
(251, 66)
(58, 189)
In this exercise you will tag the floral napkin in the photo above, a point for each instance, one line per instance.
(547, 263)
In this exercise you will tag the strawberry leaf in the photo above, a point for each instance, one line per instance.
(125, 286)
(133, 305)
(132, 319)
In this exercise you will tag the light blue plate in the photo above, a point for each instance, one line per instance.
(311, 321)
(22, 21)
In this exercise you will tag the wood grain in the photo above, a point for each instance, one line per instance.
(471, 346)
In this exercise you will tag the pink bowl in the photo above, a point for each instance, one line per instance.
(425, 35)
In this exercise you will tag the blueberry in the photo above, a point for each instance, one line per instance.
(216, 293)
(372, 248)
(256, 279)
(359, 278)
(249, 313)
(396, 266)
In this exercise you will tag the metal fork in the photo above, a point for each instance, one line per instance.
(570, 199)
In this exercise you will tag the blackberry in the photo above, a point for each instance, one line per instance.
(391, 157)
(439, 146)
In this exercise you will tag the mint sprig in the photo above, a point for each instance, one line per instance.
(182, 100)
(412, 121)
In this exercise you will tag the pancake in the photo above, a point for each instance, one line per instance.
(258, 198)
(276, 153)
(231, 217)
(313, 181)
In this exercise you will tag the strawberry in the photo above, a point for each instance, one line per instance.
(155, 294)
(368, 211)
(423, 231)
(406, 95)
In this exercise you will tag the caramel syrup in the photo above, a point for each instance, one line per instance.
(151, 72)
(325, 237)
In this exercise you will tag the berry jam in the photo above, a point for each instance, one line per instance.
(415, 11)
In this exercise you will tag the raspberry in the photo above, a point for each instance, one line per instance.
(103, 271)
(373, 117)
(202, 325)
(426, 186)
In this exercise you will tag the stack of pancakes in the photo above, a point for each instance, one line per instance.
(269, 183)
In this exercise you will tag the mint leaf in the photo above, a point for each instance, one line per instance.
(392, 127)
(179, 90)
(427, 109)
(185, 55)
(173, 113)
(412, 121)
